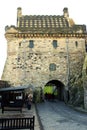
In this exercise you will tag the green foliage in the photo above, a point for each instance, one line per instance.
(50, 90)
(76, 91)
(38, 95)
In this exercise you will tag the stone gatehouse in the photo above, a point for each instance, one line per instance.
(46, 49)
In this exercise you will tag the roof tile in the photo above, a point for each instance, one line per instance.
(42, 22)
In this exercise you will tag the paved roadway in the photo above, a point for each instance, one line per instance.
(58, 116)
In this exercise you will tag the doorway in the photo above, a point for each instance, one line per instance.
(54, 90)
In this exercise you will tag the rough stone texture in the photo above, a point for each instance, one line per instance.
(30, 65)
(33, 65)
(84, 73)
(26, 65)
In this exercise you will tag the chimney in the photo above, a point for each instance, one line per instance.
(19, 14)
(66, 15)
(65, 12)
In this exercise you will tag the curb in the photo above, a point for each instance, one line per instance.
(41, 126)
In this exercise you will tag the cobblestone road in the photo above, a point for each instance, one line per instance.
(58, 116)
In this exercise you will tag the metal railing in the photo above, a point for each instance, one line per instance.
(17, 123)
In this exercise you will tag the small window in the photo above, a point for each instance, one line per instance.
(86, 47)
(31, 43)
(20, 44)
(54, 43)
(52, 67)
(76, 43)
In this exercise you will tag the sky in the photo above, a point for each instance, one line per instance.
(8, 15)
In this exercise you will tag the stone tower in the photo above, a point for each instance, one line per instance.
(44, 49)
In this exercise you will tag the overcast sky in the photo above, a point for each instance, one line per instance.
(8, 15)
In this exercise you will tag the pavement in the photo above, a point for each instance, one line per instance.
(34, 111)
(25, 113)
(58, 116)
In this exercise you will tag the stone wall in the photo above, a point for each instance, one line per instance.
(76, 60)
(84, 75)
(26, 65)
(44, 62)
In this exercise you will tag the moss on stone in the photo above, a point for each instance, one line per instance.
(76, 91)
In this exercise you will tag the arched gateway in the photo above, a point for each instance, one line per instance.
(55, 89)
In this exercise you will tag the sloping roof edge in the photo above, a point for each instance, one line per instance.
(19, 88)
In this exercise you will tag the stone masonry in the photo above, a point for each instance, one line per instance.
(44, 48)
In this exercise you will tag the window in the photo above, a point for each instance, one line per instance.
(31, 43)
(52, 67)
(54, 43)
(76, 43)
(19, 44)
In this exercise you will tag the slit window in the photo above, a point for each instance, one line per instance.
(76, 43)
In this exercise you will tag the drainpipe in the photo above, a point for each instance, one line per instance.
(68, 70)
(68, 64)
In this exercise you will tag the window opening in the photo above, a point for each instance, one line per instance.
(54, 44)
(31, 43)
(52, 67)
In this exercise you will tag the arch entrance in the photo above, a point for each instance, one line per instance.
(54, 89)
